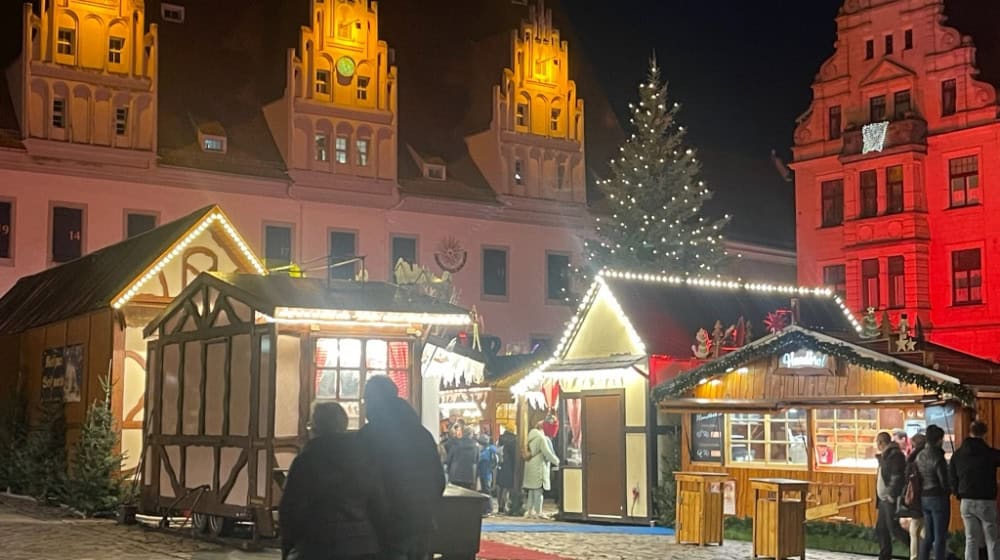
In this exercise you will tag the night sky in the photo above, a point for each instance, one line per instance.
(741, 70)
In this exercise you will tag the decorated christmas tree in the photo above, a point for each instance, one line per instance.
(655, 198)
(869, 325)
(95, 480)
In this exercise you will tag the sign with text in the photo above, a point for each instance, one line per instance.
(707, 438)
(805, 362)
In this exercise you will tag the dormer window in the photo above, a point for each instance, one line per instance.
(363, 87)
(521, 114)
(215, 144)
(323, 82)
(172, 13)
(66, 41)
(115, 47)
(435, 171)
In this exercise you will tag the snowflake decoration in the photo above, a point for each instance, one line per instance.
(874, 136)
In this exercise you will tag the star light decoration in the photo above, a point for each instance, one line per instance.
(873, 136)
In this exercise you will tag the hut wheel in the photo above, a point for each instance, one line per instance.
(199, 522)
(218, 525)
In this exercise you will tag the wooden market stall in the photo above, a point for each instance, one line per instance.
(803, 404)
(63, 329)
(629, 332)
(237, 360)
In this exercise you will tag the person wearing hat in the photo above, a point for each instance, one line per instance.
(508, 464)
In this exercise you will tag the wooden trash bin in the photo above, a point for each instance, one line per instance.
(779, 517)
(699, 507)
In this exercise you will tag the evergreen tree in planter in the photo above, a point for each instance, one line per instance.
(43, 458)
(95, 483)
(655, 197)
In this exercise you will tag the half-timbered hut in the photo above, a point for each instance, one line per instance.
(65, 328)
(630, 331)
(236, 361)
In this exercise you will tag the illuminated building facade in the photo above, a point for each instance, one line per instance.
(894, 162)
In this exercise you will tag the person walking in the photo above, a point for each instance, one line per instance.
(536, 470)
(508, 464)
(911, 516)
(329, 501)
(973, 477)
(405, 459)
(461, 461)
(889, 486)
(487, 463)
(934, 495)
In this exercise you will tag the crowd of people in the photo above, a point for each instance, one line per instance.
(914, 485)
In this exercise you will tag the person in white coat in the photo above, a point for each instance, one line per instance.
(541, 456)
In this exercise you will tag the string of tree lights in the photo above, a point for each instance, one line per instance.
(655, 197)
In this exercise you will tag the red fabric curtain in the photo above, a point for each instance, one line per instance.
(573, 413)
(399, 367)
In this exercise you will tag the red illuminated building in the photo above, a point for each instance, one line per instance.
(896, 168)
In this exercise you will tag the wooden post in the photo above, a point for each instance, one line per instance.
(779, 517)
(699, 507)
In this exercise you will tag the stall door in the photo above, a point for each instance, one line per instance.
(604, 445)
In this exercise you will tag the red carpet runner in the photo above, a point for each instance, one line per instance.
(489, 550)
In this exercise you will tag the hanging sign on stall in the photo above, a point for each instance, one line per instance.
(805, 362)
(706, 437)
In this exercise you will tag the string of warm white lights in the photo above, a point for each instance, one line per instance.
(282, 314)
(216, 216)
(600, 287)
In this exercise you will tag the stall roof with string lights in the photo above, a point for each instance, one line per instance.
(631, 331)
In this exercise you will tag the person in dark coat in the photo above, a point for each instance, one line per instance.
(973, 477)
(934, 497)
(329, 499)
(405, 459)
(505, 474)
(462, 459)
(889, 487)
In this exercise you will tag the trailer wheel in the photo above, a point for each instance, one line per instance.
(199, 522)
(219, 525)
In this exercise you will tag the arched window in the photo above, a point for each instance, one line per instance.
(522, 112)
(118, 52)
(66, 39)
(556, 118)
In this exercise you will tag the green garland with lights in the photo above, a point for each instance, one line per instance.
(795, 340)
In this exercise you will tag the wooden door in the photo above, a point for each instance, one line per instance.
(604, 463)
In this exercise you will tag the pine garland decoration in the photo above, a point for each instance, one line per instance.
(791, 340)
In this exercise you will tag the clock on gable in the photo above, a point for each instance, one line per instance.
(345, 66)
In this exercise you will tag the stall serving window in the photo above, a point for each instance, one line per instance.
(845, 437)
(769, 439)
(344, 364)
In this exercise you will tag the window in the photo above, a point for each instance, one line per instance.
(540, 345)
(363, 87)
(897, 283)
(869, 284)
(833, 202)
(344, 365)
(59, 113)
(521, 117)
(172, 13)
(323, 82)
(115, 47)
(343, 247)
(361, 146)
(901, 103)
(518, 172)
(67, 234)
(888, 44)
(869, 49)
(894, 189)
(963, 174)
(213, 144)
(966, 277)
(561, 176)
(66, 41)
(835, 276)
(949, 97)
(137, 223)
(834, 123)
(869, 194)
(876, 108)
(277, 247)
(554, 120)
(403, 248)
(777, 439)
(495, 272)
(556, 277)
(322, 147)
(341, 149)
(435, 171)
(121, 121)
(907, 39)
(6, 228)
(845, 436)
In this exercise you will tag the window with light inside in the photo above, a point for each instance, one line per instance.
(343, 366)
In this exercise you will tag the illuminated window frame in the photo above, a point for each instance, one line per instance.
(115, 47)
(362, 91)
(767, 420)
(66, 41)
(361, 150)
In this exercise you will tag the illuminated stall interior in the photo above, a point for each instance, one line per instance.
(631, 331)
(236, 362)
(803, 404)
